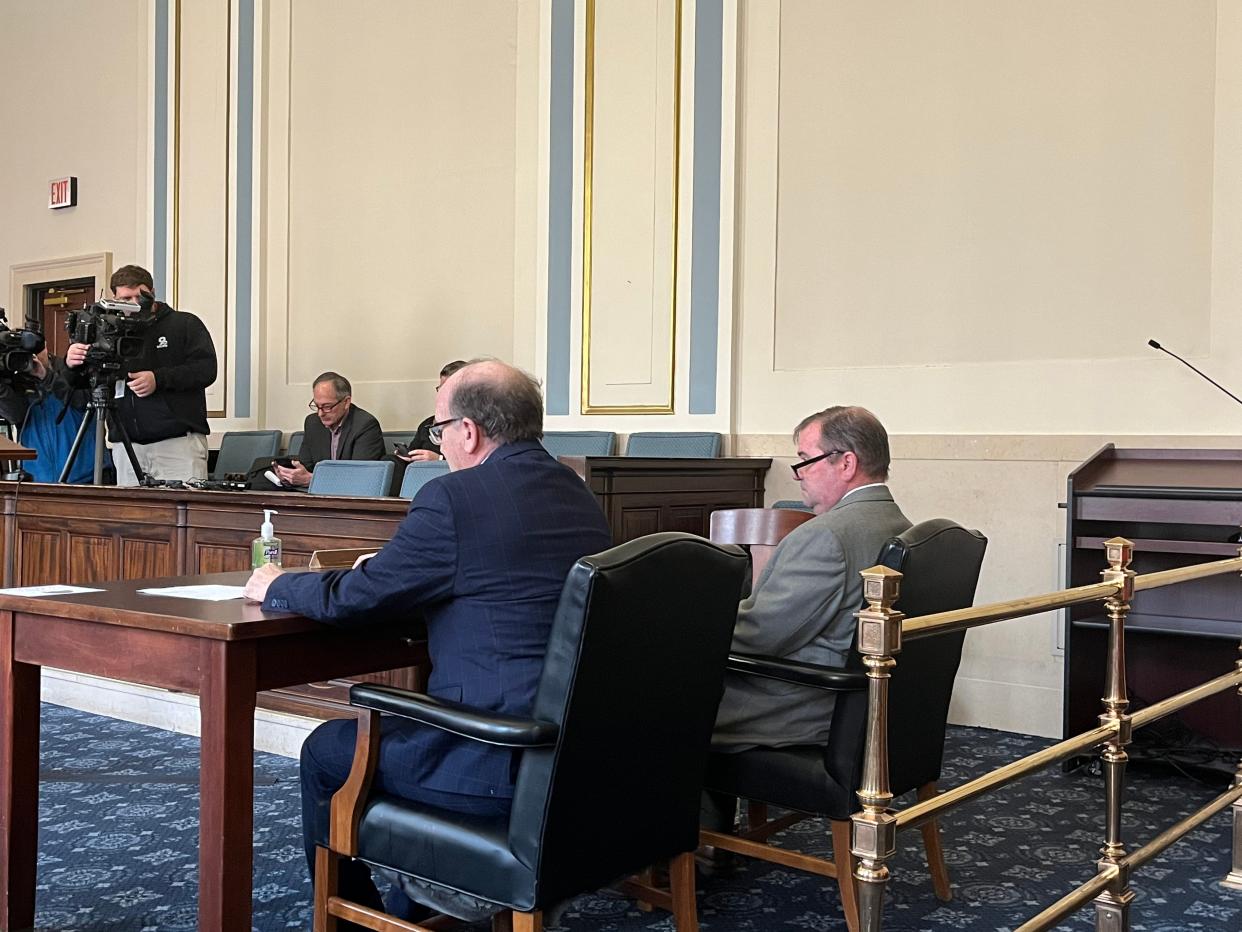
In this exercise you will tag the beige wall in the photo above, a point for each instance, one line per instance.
(81, 67)
(972, 216)
(392, 197)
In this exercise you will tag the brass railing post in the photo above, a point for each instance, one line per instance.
(1112, 907)
(875, 828)
(1234, 878)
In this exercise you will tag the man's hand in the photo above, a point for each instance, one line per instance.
(142, 383)
(76, 354)
(298, 475)
(260, 579)
(419, 456)
(38, 366)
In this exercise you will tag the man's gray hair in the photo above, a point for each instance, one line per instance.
(855, 430)
(340, 384)
(507, 404)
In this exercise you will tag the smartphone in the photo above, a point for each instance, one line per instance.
(285, 461)
(401, 449)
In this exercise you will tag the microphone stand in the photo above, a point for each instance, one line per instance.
(1154, 345)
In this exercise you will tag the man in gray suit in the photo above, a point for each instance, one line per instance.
(803, 604)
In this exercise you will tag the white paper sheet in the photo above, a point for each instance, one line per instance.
(207, 593)
(35, 591)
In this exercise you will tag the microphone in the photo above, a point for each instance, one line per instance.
(1154, 345)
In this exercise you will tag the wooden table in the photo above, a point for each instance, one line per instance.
(225, 652)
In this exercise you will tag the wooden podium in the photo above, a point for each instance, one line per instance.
(1179, 507)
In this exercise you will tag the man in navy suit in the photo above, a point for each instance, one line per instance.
(481, 556)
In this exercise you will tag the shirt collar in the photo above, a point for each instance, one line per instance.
(859, 488)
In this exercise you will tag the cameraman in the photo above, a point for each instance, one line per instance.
(47, 412)
(164, 405)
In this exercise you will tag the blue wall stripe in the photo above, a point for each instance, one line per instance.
(560, 206)
(245, 197)
(159, 222)
(705, 238)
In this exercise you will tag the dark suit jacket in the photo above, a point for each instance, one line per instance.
(481, 556)
(361, 439)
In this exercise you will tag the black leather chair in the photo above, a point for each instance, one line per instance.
(940, 564)
(612, 756)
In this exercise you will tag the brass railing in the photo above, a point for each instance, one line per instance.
(881, 630)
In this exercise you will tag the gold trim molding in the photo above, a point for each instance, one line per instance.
(587, 220)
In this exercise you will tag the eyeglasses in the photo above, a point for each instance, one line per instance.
(436, 430)
(814, 459)
(324, 409)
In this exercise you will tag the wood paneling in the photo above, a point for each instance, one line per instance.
(91, 559)
(643, 495)
(84, 534)
(208, 559)
(40, 558)
(141, 559)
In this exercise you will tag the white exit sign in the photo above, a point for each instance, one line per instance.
(62, 192)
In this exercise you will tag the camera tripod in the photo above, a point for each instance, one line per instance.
(101, 402)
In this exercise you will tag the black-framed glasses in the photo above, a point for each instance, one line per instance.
(436, 430)
(324, 409)
(814, 459)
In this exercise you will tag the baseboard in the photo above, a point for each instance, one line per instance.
(1029, 710)
(274, 732)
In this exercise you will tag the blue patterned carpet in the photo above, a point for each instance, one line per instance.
(118, 847)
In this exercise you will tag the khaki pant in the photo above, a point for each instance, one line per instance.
(174, 458)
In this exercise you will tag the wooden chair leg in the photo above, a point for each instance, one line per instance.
(326, 865)
(935, 852)
(756, 814)
(681, 887)
(528, 922)
(647, 879)
(845, 862)
(502, 921)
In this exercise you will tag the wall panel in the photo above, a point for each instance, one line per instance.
(994, 180)
(391, 159)
(201, 274)
(631, 164)
(945, 206)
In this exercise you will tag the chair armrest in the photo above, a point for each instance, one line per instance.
(488, 727)
(832, 679)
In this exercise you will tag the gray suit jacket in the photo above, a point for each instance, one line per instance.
(802, 608)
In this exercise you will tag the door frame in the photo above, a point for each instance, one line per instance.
(26, 276)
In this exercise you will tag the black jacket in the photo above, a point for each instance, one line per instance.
(361, 439)
(178, 349)
(422, 437)
(60, 383)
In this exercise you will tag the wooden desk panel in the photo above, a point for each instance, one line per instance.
(87, 534)
(643, 495)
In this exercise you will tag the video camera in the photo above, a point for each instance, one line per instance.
(113, 331)
(17, 355)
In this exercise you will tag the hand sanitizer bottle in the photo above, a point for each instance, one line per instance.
(266, 547)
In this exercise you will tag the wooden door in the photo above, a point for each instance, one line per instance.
(52, 303)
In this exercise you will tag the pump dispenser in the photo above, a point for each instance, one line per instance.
(266, 547)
